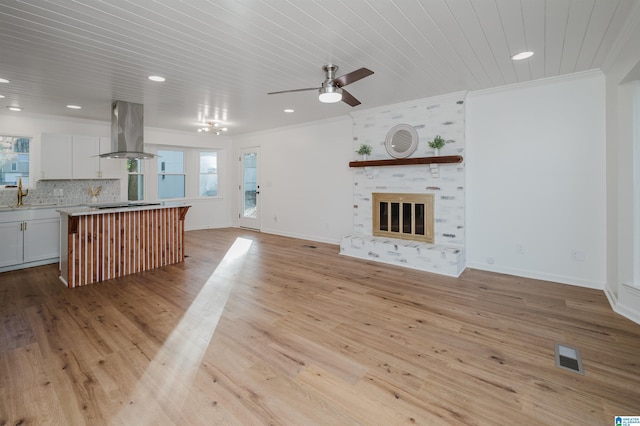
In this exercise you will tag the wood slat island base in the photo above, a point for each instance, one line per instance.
(98, 245)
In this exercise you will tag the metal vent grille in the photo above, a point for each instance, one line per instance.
(569, 358)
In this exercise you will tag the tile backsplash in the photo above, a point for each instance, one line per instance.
(73, 192)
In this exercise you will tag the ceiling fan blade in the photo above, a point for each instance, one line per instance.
(293, 90)
(349, 99)
(352, 77)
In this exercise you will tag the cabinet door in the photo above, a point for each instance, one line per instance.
(85, 157)
(10, 243)
(55, 156)
(41, 239)
(110, 168)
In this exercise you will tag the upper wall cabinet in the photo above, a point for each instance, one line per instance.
(109, 168)
(85, 151)
(76, 157)
(55, 158)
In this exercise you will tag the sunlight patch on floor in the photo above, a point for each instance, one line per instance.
(160, 393)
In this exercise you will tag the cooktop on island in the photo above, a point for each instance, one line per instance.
(124, 204)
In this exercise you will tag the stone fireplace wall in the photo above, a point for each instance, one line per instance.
(444, 116)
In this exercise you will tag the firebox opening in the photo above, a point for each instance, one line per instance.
(405, 216)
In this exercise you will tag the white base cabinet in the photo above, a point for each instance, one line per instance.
(29, 237)
(12, 242)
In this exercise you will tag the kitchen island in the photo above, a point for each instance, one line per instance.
(102, 242)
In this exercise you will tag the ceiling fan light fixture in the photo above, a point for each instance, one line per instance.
(330, 94)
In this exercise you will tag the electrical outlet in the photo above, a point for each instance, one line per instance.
(577, 256)
(490, 260)
(519, 249)
(58, 192)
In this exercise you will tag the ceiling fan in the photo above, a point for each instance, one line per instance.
(332, 87)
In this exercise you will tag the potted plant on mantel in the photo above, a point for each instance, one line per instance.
(437, 143)
(364, 150)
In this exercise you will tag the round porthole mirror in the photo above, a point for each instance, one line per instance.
(401, 141)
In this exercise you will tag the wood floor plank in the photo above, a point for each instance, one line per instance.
(287, 331)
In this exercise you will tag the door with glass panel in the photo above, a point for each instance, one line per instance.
(249, 216)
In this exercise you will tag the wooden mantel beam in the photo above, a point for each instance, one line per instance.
(446, 159)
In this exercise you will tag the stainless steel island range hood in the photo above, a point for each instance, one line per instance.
(127, 131)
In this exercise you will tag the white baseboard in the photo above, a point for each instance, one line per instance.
(300, 236)
(626, 303)
(537, 275)
(198, 228)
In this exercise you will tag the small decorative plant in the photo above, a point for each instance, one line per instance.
(437, 142)
(364, 149)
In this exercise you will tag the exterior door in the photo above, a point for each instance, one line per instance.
(249, 216)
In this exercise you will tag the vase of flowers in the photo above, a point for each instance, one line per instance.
(437, 143)
(364, 151)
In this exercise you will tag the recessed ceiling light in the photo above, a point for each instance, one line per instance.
(522, 55)
(14, 108)
(156, 78)
(1, 96)
(289, 110)
(4, 80)
(74, 107)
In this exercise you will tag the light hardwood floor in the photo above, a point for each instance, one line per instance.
(262, 329)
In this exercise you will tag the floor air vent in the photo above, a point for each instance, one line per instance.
(569, 358)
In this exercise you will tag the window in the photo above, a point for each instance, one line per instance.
(171, 176)
(14, 160)
(135, 183)
(208, 174)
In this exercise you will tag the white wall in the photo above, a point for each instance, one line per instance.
(622, 75)
(536, 179)
(304, 178)
(204, 213)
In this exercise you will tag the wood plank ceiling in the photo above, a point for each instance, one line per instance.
(221, 57)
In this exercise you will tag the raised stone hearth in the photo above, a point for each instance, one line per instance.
(446, 260)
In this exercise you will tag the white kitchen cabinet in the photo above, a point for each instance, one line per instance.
(85, 160)
(77, 157)
(11, 242)
(56, 156)
(41, 239)
(29, 237)
(109, 168)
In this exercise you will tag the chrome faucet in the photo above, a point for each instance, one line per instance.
(20, 193)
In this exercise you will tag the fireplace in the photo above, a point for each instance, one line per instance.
(404, 216)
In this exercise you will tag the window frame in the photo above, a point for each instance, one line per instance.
(184, 173)
(140, 172)
(198, 153)
(26, 179)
